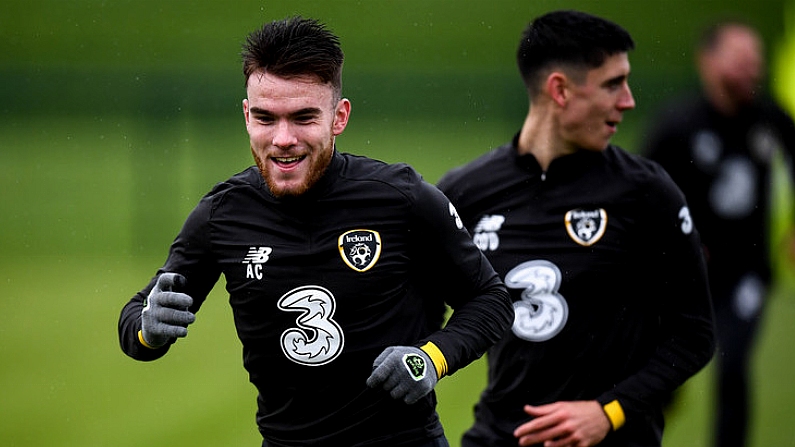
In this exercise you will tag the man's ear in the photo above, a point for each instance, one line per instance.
(557, 87)
(341, 115)
(245, 110)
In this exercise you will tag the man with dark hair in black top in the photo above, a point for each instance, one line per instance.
(598, 251)
(720, 147)
(326, 256)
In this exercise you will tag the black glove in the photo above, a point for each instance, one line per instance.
(405, 371)
(165, 315)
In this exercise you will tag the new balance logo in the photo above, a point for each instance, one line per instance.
(254, 259)
(485, 234)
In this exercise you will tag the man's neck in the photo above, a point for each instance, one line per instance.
(723, 102)
(539, 136)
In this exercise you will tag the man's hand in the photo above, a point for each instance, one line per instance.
(564, 424)
(165, 315)
(405, 371)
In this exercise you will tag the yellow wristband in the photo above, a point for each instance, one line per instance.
(439, 362)
(615, 414)
(143, 342)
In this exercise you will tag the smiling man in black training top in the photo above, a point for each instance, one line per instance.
(324, 256)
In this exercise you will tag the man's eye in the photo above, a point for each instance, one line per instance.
(615, 85)
(304, 119)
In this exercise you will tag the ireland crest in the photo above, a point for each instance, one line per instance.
(360, 249)
(586, 227)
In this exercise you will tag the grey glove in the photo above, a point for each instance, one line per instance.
(405, 371)
(165, 315)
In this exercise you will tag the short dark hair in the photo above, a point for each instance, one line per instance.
(711, 35)
(570, 38)
(295, 46)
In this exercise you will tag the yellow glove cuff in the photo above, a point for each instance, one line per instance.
(615, 414)
(143, 342)
(439, 362)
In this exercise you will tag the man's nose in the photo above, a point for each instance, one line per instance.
(283, 135)
(626, 101)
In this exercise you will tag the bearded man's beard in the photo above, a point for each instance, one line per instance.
(316, 170)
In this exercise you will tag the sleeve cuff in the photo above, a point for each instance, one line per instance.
(615, 414)
(439, 362)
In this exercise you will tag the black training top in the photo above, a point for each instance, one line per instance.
(608, 283)
(723, 164)
(320, 284)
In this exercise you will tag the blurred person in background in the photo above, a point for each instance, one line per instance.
(596, 246)
(326, 258)
(719, 147)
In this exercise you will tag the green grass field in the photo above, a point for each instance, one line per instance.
(89, 210)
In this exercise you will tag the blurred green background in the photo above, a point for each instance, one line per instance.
(118, 115)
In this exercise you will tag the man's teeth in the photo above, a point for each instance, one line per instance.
(287, 159)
